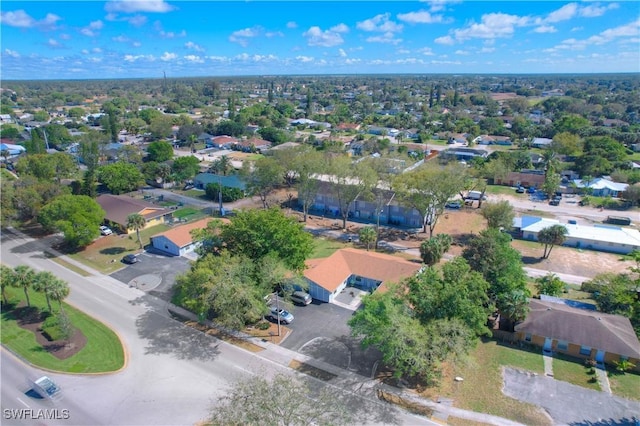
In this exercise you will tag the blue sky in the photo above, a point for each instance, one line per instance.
(144, 38)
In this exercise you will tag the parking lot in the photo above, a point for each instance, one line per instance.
(320, 331)
(154, 273)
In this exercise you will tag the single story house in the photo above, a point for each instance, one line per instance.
(12, 149)
(602, 187)
(178, 240)
(526, 178)
(252, 145)
(578, 332)
(221, 142)
(201, 180)
(463, 154)
(541, 143)
(606, 238)
(205, 138)
(358, 268)
(118, 207)
(493, 140)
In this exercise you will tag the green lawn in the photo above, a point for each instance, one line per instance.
(625, 385)
(573, 370)
(481, 389)
(103, 351)
(188, 213)
(323, 247)
(6, 175)
(105, 255)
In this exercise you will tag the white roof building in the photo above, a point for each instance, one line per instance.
(598, 237)
(602, 187)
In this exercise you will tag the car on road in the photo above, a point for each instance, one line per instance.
(47, 388)
(285, 316)
(554, 202)
(520, 190)
(105, 230)
(130, 259)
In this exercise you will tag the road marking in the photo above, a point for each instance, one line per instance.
(23, 403)
(245, 370)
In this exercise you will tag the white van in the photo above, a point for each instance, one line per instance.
(301, 297)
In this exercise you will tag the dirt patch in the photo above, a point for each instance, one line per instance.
(312, 371)
(270, 334)
(31, 319)
(225, 336)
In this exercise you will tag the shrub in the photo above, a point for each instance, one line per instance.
(229, 195)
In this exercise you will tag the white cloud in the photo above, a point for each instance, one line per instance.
(342, 53)
(11, 53)
(379, 23)
(427, 51)
(402, 51)
(166, 56)
(595, 10)
(491, 26)
(340, 28)
(447, 40)
(194, 58)
(96, 50)
(545, 29)
(132, 6)
(566, 12)
(305, 58)
(438, 5)
(64, 36)
(54, 43)
(136, 44)
(352, 61)
(193, 46)
(462, 52)
(137, 20)
(629, 30)
(487, 50)
(271, 34)
(21, 19)
(329, 38)
(420, 17)
(121, 39)
(292, 25)
(134, 58)
(242, 37)
(574, 29)
(90, 30)
(384, 38)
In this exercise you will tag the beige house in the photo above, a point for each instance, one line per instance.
(118, 207)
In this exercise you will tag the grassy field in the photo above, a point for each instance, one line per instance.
(573, 370)
(481, 389)
(188, 213)
(102, 353)
(323, 247)
(625, 385)
(105, 253)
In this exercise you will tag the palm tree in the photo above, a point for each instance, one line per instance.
(192, 142)
(41, 284)
(24, 277)
(7, 279)
(367, 235)
(57, 289)
(552, 236)
(514, 306)
(136, 221)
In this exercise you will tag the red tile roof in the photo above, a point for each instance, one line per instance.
(332, 271)
(181, 235)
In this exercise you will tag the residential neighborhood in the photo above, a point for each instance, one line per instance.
(342, 229)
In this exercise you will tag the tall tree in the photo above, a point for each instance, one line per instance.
(432, 250)
(550, 284)
(120, 177)
(258, 233)
(491, 254)
(41, 283)
(137, 222)
(253, 401)
(306, 165)
(499, 214)
(367, 235)
(57, 290)
(266, 176)
(551, 236)
(514, 306)
(7, 279)
(348, 182)
(77, 216)
(24, 277)
(428, 190)
(160, 151)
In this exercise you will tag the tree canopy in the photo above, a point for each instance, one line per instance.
(120, 177)
(258, 233)
(78, 217)
(160, 151)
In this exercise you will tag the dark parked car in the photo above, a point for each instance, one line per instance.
(130, 259)
(554, 202)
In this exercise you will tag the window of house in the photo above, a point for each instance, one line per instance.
(585, 350)
(563, 345)
(527, 337)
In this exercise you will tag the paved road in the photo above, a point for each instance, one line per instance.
(173, 373)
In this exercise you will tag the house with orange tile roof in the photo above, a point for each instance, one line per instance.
(178, 240)
(358, 268)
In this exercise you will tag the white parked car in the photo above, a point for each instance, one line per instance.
(105, 230)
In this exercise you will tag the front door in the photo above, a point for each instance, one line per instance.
(547, 345)
(600, 358)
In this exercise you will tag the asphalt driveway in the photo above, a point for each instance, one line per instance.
(320, 331)
(154, 273)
